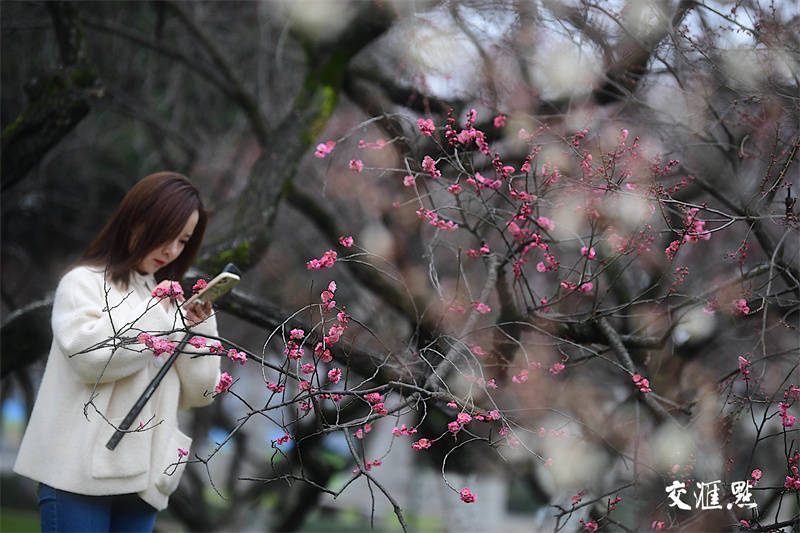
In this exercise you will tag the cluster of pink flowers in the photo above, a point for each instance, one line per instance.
(328, 396)
(357, 165)
(551, 265)
(426, 126)
(215, 347)
(480, 307)
(429, 166)
(585, 288)
(793, 481)
(379, 144)
(787, 419)
(293, 351)
(579, 136)
(277, 388)
(225, 382)
(237, 357)
(483, 250)
(500, 121)
(466, 495)
(479, 182)
(326, 261)
(199, 285)
(421, 444)
(502, 170)
(198, 342)
(589, 526)
(642, 383)
(744, 368)
(522, 377)
(346, 241)
(156, 344)
(307, 368)
(694, 232)
(283, 440)
(366, 428)
(520, 234)
(658, 525)
(695, 229)
(182, 453)
(681, 273)
(403, 430)
(375, 400)
(556, 368)
(324, 149)
(334, 375)
(587, 252)
(556, 434)
(379, 409)
(711, 306)
(373, 397)
(612, 504)
(434, 220)
(369, 464)
(326, 297)
(546, 224)
(409, 180)
(672, 249)
(462, 419)
(740, 305)
(173, 291)
(755, 476)
(322, 353)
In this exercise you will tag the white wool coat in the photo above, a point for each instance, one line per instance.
(65, 442)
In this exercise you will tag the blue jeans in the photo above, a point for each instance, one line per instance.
(64, 511)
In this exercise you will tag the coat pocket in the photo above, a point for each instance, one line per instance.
(170, 467)
(130, 458)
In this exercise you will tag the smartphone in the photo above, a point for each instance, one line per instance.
(218, 286)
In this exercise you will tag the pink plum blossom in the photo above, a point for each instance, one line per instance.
(324, 149)
(426, 126)
(225, 382)
(467, 496)
(421, 444)
(334, 375)
(198, 342)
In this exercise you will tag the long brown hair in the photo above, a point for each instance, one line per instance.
(153, 212)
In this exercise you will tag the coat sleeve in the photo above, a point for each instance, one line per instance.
(92, 337)
(198, 370)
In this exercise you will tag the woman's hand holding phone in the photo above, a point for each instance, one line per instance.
(195, 311)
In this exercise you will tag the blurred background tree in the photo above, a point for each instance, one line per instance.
(236, 95)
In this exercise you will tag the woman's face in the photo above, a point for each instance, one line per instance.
(166, 253)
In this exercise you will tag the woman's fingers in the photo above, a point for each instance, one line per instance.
(197, 313)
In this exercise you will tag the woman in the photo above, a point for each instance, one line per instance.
(99, 364)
